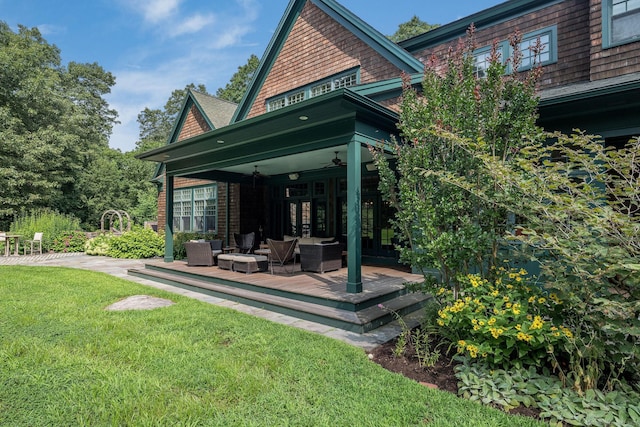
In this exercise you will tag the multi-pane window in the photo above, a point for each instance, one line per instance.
(195, 209)
(294, 98)
(621, 21)
(536, 50)
(316, 89)
(481, 63)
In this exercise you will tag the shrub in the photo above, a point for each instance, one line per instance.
(506, 321)
(179, 239)
(137, 243)
(98, 245)
(69, 241)
(49, 222)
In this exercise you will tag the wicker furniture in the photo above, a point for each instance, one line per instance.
(321, 257)
(243, 263)
(199, 253)
(216, 249)
(244, 242)
(282, 252)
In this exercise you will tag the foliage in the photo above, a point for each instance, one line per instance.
(506, 322)
(98, 245)
(68, 361)
(179, 238)
(578, 204)
(137, 243)
(52, 120)
(69, 241)
(441, 226)
(414, 27)
(236, 88)
(559, 405)
(46, 221)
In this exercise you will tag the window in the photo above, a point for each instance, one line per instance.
(620, 22)
(482, 58)
(350, 78)
(195, 209)
(548, 48)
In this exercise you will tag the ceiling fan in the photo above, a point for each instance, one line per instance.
(256, 174)
(336, 162)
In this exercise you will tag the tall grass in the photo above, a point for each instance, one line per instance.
(68, 361)
(51, 223)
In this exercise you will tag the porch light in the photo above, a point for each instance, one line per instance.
(371, 167)
(220, 141)
(303, 118)
(294, 176)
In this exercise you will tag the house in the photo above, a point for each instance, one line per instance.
(292, 158)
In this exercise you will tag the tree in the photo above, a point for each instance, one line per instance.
(51, 120)
(446, 231)
(413, 27)
(235, 89)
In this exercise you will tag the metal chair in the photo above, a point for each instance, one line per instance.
(34, 244)
(282, 252)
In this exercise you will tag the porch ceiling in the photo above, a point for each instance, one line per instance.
(300, 137)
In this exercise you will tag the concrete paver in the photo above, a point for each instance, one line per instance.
(119, 268)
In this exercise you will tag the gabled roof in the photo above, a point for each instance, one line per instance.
(218, 112)
(377, 41)
(215, 111)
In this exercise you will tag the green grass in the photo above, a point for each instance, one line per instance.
(65, 360)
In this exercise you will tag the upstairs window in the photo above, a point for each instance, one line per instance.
(482, 59)
(548, 48)
(620, 22)
(347, 79)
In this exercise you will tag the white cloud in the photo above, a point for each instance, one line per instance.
(193, 24)
(155, 11)
(49, 29)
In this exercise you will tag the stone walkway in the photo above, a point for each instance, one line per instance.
(119, 268)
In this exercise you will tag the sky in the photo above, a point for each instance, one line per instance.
(153, 47)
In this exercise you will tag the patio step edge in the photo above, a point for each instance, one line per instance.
(360, 321)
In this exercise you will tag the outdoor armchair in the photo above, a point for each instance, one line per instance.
(216, 249)
(199, 253)
(282, 252)
(244, 242)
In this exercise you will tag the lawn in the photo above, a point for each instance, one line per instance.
(65, 360)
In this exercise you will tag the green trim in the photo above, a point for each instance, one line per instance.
(607, 27)
(486, 18)
(168, 226)
(354, 220)
(552, 31)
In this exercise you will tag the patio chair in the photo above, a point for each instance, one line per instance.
(35, 244)
(244, 242)
(199, 253)
(216, 249)
(282, 252)
(3, 240)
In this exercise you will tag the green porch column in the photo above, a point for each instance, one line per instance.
(354, 219)
(168, 226)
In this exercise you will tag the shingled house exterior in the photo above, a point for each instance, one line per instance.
(292, 158)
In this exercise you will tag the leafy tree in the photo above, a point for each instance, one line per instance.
(446, 231)
(235, 89)
(413, 27)
(52, 118)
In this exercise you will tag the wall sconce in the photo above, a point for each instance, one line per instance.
(371, 167)
(294, 176)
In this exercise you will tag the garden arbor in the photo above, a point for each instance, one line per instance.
(116, 218)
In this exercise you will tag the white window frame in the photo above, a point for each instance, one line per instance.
(346, 79)
(195, 209)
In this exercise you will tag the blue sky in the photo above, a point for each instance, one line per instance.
(156, 46)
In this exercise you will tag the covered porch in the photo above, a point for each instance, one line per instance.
(307, 171)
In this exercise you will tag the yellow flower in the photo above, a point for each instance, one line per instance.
(518, 327)
(542, 300)
(496, 332)
(495, 293)
(491, 321)
(505, 298)
(441, 291)
(440, 322)
(532, 299)
(509, 305)
(537, 323)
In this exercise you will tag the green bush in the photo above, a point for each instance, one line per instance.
(506, 321)
(98, 245)
(69, 241)
(180, 238)
(137, 243)
(50, 223)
